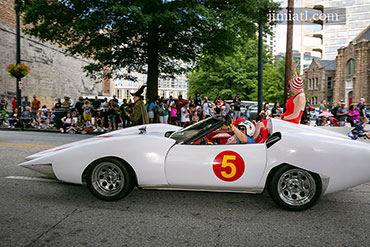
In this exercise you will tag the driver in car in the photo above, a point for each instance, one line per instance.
(243, 132)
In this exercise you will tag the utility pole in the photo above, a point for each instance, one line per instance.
(18, 60)
(260, 65)
(289, 45)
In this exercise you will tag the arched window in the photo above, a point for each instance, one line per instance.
(350, 70)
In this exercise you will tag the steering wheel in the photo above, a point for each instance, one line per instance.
(203, 141)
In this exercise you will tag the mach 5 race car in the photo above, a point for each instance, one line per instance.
(297, 164)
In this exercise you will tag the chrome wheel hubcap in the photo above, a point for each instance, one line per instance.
(108, 179)
(296, 187)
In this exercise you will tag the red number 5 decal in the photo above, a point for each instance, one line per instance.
(228, 166)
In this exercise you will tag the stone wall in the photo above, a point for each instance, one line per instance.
(52, 75)
(7, 14)
(360, 52)
(321, 91)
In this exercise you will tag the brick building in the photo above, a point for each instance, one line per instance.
(319, 81)
(352, 78)
(345, 78)
(52, 75)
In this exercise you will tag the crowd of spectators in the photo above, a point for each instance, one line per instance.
(98, 115)
(338, 115)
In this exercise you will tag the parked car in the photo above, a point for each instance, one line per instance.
(254, 111)
(245, 103)
(297, 164)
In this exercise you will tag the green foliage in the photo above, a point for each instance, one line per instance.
(148, 36)
(238, 73)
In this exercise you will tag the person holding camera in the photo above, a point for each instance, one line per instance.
(185, 115)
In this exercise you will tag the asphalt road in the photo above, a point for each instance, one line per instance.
(35, 211)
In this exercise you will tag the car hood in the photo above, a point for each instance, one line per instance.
(150, 130)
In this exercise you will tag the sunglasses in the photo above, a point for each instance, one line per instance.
(242, 128)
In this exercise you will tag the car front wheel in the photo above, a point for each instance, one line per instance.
(294, 188)
(110, 180)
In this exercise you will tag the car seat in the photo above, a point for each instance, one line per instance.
(261, 138)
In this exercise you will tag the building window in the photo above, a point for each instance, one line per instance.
(317, 83)
(329, 100)
(315, 100)
(350, 70)
(330, 82)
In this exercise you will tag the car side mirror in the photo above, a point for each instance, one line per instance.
(142, 130)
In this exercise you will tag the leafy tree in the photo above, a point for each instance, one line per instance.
(156, 37)
(273, 82)
(238, 73)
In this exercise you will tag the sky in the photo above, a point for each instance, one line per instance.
(281, 30)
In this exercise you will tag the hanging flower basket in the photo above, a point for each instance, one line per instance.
(18, 70)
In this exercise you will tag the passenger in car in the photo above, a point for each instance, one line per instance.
(242, 133)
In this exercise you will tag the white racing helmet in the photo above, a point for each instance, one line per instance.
(249, 127)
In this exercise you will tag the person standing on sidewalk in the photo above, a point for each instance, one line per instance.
(35, 105)
(341, 114)
(25, 103)
(14, 103)
(362, 110)
(322, 106)
(139, 114)
(79, 108)
(237, 105)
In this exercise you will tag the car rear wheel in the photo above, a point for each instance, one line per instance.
(108, 179)
(294, 188)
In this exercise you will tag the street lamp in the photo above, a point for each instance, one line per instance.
(18, 60)
(260, 65)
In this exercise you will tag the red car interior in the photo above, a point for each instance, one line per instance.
(221, 136)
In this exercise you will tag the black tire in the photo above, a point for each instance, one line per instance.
(110, 180)
(294, 188)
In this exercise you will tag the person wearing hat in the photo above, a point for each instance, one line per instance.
(341, 114)
(243, 131)
(294, 106)
(139, 114)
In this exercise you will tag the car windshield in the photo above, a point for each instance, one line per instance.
(254, 107)
(195, 129)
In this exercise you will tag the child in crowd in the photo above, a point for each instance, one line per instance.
(358, 130)
(87, 113)
(232, 112)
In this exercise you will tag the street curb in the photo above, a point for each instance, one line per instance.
(43, 130)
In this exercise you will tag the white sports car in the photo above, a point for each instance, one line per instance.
(296, 163)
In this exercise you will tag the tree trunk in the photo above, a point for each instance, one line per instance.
(152, 81)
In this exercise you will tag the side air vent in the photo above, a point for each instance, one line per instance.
(274, 138)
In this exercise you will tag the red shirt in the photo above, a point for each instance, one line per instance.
(14, 103)
(290, 109)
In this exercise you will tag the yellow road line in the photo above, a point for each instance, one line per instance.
(26, 145)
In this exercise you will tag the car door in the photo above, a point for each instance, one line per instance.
(227, 167)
